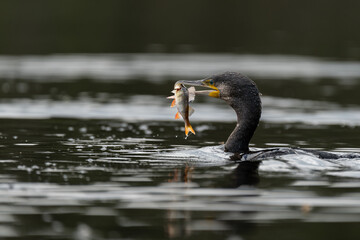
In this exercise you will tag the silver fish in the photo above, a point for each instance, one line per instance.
(182, 97)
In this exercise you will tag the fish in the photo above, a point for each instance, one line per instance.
(182, 99)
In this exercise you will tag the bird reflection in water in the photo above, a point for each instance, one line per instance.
(180, 222)
(245, 174)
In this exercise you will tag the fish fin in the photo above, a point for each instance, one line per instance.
(191, 111)
(171, 97)
(173, 103)
(191, 91)
(188, 128)
(177, 115)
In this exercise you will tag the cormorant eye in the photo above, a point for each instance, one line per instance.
(211, 82)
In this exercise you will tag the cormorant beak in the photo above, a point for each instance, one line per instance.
(207, 83)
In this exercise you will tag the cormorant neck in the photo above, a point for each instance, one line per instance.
(248, 111)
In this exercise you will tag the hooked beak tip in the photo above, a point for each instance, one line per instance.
(196, 83)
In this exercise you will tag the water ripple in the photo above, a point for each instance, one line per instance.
(160, 66)
(275, 110)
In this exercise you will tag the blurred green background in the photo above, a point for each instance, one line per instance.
(324, 28)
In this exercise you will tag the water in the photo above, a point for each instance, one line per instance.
(90, 150)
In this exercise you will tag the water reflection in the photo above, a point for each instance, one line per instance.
(246, 174)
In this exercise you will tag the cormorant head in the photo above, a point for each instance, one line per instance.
(227, 86)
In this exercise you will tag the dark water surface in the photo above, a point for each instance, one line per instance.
(90, 153)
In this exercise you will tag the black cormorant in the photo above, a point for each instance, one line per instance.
(242, 94)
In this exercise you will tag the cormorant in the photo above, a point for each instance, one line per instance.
(242, 94)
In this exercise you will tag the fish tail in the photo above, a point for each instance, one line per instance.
(188, 128)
